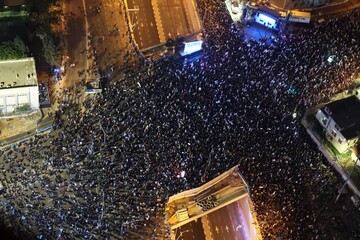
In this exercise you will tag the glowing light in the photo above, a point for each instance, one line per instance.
(191, 47)
(331, 59)
(267, 19)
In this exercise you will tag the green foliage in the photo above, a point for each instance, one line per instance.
(13, 50)
(45, 14)
(52, 44)
(23, 108)
(20, 45)
(49, 51)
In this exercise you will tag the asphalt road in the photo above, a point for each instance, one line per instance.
(191, 231)
(76, 40)
(143, 22)
(229, 222)
(175, 21)
(158, 20)
(107, 25)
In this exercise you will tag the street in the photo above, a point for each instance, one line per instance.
(143, 23)
(156, 21)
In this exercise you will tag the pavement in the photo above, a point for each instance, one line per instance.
(13, 126)
(18, 128)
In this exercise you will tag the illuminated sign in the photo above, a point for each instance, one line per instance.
(93, 91)
(191, 47)
(267, 19)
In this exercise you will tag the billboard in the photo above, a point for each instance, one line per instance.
(266, 20)
(191, 47)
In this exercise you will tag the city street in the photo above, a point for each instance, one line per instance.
(143, 23)
(112, 160)
(229, 222)
(156, 21)
(76, 40)
(110, 37)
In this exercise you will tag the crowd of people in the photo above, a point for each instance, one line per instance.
(110, 164)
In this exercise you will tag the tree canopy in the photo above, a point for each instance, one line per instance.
(13, 49)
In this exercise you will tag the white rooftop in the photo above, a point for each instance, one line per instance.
(18, 73)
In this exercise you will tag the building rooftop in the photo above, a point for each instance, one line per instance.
(17, 73)
(346, 113)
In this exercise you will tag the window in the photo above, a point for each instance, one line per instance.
(17, 75)
(337, 127)
(340, 141)
(324, 121)
(333, 133)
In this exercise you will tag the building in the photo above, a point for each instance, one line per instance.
(341, 122)
(19, 92)
(219, 209)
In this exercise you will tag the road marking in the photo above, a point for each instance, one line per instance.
(238, 227)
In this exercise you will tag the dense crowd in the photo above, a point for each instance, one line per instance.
(110, 164)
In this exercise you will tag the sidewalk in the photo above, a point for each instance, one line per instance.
(10, 127)
(20, 128)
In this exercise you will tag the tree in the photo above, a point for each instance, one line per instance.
(49, 51)
(20, 46)
(8, 51)
(50, 45)
(13, 50)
